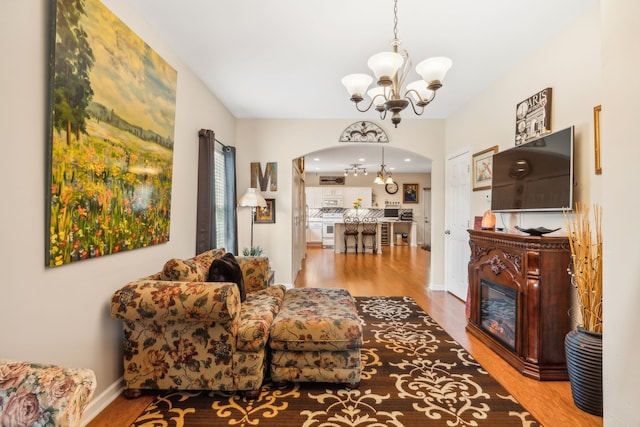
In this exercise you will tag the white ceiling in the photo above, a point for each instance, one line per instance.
(284, 59)
(369, 156)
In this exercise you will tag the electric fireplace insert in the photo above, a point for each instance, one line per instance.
(498, 308)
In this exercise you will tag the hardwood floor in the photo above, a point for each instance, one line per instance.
(404, 271)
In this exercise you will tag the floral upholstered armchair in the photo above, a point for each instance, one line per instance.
(182, 332)
(43, 395)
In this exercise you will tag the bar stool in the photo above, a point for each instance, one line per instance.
(351, 229)
(369, 229)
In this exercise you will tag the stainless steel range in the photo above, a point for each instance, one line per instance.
(328, 228)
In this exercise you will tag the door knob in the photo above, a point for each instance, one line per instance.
(447, 232)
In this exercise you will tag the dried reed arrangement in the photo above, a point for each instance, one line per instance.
(586, 269)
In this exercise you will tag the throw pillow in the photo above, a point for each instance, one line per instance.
(227, 269)
(206, 258)
(183, 271)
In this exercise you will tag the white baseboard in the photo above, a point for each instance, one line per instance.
(436, 286)
(98, 403)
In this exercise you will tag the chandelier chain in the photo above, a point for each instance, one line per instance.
(395, 19)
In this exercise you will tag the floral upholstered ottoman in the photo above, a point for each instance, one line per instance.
(316, 337)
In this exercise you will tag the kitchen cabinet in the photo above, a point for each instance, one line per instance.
(314, 231)
(314, 197)
(332, 191)
(344, 195)
(351, 194)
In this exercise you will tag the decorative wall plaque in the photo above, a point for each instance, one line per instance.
(533, 116)
(267, 181)
(331, 180)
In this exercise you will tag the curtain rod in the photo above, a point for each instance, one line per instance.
(202, 131)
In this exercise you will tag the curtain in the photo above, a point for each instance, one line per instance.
(216, 221)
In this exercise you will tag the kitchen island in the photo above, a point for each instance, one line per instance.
(394, 231)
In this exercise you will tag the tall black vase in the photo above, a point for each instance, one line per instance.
(584, 363)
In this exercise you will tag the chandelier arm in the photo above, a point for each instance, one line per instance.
(420, 98)
(366, 109)
(432, 97)
(413, 106)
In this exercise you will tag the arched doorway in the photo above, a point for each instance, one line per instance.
(327, 167)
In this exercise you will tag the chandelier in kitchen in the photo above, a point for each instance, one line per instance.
(391, 69)
(383, 177)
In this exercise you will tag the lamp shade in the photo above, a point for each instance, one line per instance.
(379, 94)
(252, 198)
(357, 84)
(434, 69)
(385, 64)
(420, 86)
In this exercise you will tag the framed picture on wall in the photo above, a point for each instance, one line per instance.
(409, 193)
(482, 163)
(266, 215)
(109, 140)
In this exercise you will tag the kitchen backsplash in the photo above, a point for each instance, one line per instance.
(406, 214)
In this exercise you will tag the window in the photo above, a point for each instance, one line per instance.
(216, 212)
(219, 195)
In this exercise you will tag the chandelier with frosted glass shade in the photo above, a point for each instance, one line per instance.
(391, 70)
(383, 177)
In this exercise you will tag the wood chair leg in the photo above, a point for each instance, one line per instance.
(132, 393)
(280, 385)
(252, 394)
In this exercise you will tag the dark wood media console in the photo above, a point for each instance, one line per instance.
(528, 276)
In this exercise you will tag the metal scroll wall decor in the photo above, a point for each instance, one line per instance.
(363, 132)
(110, 142)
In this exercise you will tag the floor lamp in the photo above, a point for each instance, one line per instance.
(252, 199)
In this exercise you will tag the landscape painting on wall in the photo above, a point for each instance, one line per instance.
(111, 131)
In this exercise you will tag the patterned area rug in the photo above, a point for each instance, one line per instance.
(413, 374)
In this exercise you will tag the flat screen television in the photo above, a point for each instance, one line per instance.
(535, 176)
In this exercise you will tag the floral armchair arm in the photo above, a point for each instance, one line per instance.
(41, 394)
(176, 301)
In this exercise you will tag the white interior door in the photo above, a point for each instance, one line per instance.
(457, 205)
(426, 208)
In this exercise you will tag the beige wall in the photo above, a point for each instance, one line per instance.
(61, 315)
(570, 64)
(621, 204)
